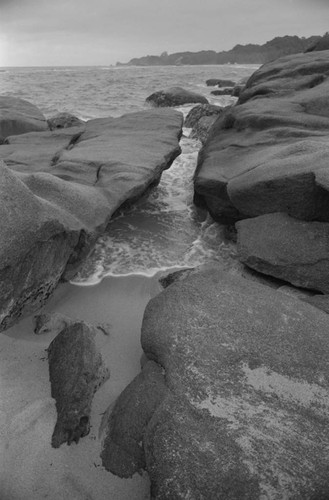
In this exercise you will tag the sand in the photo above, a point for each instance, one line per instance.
(30, 469)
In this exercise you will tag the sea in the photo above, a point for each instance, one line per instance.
(163, 231)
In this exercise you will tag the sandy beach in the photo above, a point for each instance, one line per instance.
(30, 468)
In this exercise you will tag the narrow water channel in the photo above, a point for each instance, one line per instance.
(161, 232)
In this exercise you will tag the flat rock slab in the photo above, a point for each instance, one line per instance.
(37, 151)
(18, 116)
(286, 248)
(175, 96)
(246, 412)
(269, 153)
(76, 371)
(59, 190)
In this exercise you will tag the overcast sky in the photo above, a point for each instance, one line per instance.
(101, 32)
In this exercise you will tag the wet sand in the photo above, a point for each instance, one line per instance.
(30, 469)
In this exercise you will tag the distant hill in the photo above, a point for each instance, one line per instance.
(241, 54)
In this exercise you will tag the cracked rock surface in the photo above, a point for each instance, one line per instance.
(59, 190)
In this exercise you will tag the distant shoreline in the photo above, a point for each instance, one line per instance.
(240, 54)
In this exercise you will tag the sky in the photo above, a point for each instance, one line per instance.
(102, 32)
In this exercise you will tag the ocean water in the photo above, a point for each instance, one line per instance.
(164, 230)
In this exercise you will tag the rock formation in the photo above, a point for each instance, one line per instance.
(269, 153)
(287, 248)
(18, 116)
(59, 190)
(266, 161)
(244, 411)
(201, 118)
(76, 371)
(175, 96)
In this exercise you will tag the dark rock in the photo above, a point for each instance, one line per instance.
(199, 111)
(222, 92)
(60, 192)
(245, 414)
(123, 452)
(175, 96)
(201, 118)
(289, 249)
(202, 128)
(18, 117)
(171, 278)
(64, 120)
(76, 371)
(217, 82)
(240, 86)
(269, 153)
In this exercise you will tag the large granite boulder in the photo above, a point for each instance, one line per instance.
(245, 413)
(286, 248)
(59, 190)
(175, 96)
(269, 153)
(18, 116)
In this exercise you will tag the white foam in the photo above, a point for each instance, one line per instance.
(160, 233)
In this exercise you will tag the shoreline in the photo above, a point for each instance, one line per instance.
(31, 468)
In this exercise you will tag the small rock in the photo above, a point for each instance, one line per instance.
(213, 82)
(199, 111)
(170, 278)
(64, 120)
(175, 96)
(222, 92)
(76, 371)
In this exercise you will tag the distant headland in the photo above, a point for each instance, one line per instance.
(240, 54)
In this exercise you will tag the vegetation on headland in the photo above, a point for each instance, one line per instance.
(241, 54)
